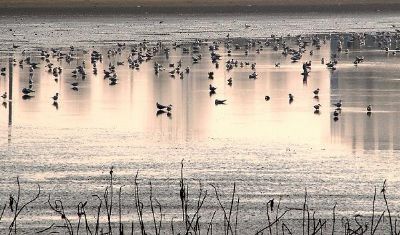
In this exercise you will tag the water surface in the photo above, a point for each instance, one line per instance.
(271, 149)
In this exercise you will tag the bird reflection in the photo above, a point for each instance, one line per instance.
(55, 104)
(160, 112)
(336, 113)
(4, 104)
(27, 97)
(219, 102)
(141, 53)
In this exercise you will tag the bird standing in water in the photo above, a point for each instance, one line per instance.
(55, 98)
(339, 104)
(161, 107)
(230, 81)
(212, 88)
(291, 97)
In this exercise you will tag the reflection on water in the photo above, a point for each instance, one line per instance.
(372, 82)
(271, 148)
(130, 105)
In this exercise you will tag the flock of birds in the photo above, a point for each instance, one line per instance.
(145, 51)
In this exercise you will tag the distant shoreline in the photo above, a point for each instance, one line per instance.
(323, 8)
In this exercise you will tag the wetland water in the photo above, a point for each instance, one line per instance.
(270, 149)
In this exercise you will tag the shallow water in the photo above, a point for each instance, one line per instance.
(270, 149)
(83, 30)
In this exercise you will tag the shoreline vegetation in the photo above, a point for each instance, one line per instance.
(148, 215)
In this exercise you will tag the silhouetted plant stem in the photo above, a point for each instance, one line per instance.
(333, 219)
(18, 210)
(387, 206)
(98, 214)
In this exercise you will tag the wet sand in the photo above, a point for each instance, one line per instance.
(197, 6)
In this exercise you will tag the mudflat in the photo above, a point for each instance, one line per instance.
(222, 5)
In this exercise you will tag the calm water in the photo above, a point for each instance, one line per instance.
(271, 149)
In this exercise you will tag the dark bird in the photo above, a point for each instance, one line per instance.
(167, 107)
(4, 96)
(316, 92)
(267, 98)
(316, 107)
(212, 88)
(369, 108)
(55, 97)
(210, 75)
(27, 91)
(339, 104)
(230, 81)
(30, 80)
